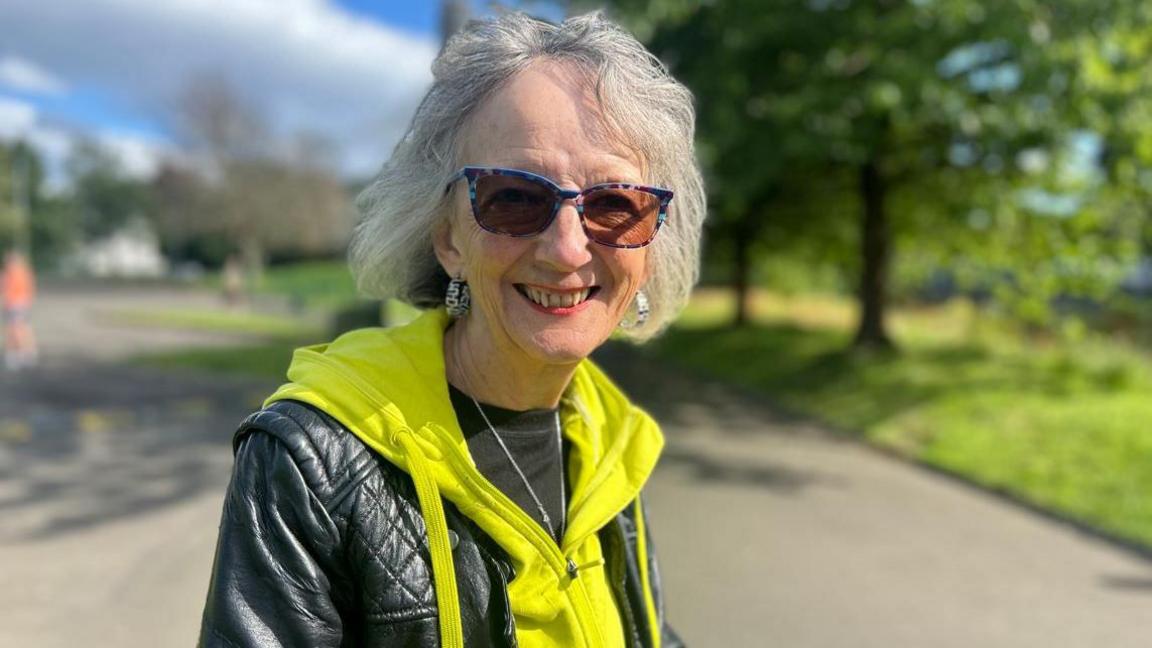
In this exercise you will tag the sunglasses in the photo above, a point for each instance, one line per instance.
(520, 203)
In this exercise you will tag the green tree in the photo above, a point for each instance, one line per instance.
(30, 216)
(104, 195)
(1112, 89)
(851, 111)
(21, 179)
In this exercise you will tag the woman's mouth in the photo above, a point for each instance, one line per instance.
(556, 301)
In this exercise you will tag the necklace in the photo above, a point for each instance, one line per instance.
(532, 492)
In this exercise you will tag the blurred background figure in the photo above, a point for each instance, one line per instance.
(232, 281)
(19, 289)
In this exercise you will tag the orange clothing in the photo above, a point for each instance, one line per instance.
(18, 284)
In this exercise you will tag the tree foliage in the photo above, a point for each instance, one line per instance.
(46, 224)
(949, 128)
(105, 197)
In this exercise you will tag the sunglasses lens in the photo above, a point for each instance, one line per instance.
(512, 205)
(621, 216)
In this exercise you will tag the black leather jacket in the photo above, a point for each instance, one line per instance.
(322, 544)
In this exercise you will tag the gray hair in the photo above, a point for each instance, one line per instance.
(391, 253)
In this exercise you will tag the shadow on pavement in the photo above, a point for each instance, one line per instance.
(680, 399)
(1129, 583)
(85, 445)
(685, 403)
(773, 477)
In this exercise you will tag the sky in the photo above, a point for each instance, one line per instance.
(350, 71)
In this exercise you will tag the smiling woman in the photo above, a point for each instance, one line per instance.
(473, 478)
(524, 319)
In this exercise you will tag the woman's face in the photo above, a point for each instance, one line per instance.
(544, 120)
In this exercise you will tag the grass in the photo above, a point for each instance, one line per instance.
(320, 284)
(265, 360)
(273, 339)
(320, 290)
(240, 322)
(1065, 426)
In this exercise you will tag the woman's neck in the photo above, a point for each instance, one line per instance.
(509, 380)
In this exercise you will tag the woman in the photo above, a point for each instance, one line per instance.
(471, 478)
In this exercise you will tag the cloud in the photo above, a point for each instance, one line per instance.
(20, 121)
(16, 118)
(24, 75)
(308, 64)
(54, 144)
(139, 155)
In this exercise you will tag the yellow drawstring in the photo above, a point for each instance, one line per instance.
(443, 572)
(642, 558)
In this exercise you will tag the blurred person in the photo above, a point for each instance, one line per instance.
(232, 280)
(18, 285)
(472, 478)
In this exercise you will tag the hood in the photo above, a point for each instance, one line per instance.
(389, 387)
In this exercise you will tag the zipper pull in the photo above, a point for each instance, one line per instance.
(573, 568)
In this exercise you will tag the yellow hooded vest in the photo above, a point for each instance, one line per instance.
(388, 387)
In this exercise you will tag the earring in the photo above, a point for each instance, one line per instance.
(458, 299)
(641, 302)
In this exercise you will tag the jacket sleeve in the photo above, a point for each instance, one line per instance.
(270, 582)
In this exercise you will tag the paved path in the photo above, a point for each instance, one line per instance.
(110, 487)
(82, 322)
(775, 533)
(772, 532)
(111, 476)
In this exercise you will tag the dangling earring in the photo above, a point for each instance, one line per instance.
(458, 299)
(641, 302)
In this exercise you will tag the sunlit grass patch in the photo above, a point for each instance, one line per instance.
(268, 356)
(241, 322)
(268, 360)
(321, 284)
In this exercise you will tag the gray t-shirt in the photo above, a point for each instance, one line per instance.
(532, 440)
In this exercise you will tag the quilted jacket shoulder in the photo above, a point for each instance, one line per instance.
(322, 544)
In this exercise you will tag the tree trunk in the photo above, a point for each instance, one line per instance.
(742, 276)
(875, 239)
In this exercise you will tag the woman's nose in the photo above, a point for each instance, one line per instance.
(564, 245)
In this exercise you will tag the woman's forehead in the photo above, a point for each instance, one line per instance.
(548, 110)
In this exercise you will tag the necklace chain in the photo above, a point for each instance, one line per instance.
(547, 519)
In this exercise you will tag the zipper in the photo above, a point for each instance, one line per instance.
(555, 557)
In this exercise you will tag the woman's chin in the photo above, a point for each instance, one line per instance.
(561, 347)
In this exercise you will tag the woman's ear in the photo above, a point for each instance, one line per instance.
(447, 252)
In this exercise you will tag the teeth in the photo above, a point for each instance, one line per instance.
(556, 300)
